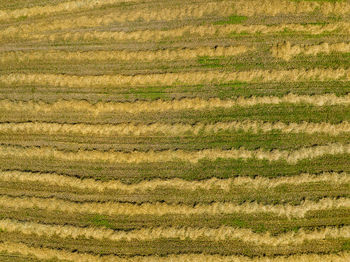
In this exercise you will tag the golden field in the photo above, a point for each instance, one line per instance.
(198, 130)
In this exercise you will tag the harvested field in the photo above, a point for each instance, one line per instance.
(202, 130)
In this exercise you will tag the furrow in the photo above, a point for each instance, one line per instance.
(227, 185)
(130, 129)
(212, 234)
(287, 51)
(123, 55)
(161, 209)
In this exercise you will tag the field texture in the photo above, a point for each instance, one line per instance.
(172, 130)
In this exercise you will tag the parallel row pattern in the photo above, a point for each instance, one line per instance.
(146, 130)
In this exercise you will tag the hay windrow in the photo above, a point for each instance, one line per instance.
(287, 51)
(46, 253)
(178, 129)
(52, 179)
(212, 234)
(193, 157)
(161, 209)
(197, 104)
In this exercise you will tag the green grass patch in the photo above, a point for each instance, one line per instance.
(234, 34)
(101, 221)
(260, 228)
(239, 223)
(210, 62)
(149, 93)
(346, 245)
(233, 19)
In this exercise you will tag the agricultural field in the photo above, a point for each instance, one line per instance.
(171, 130)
